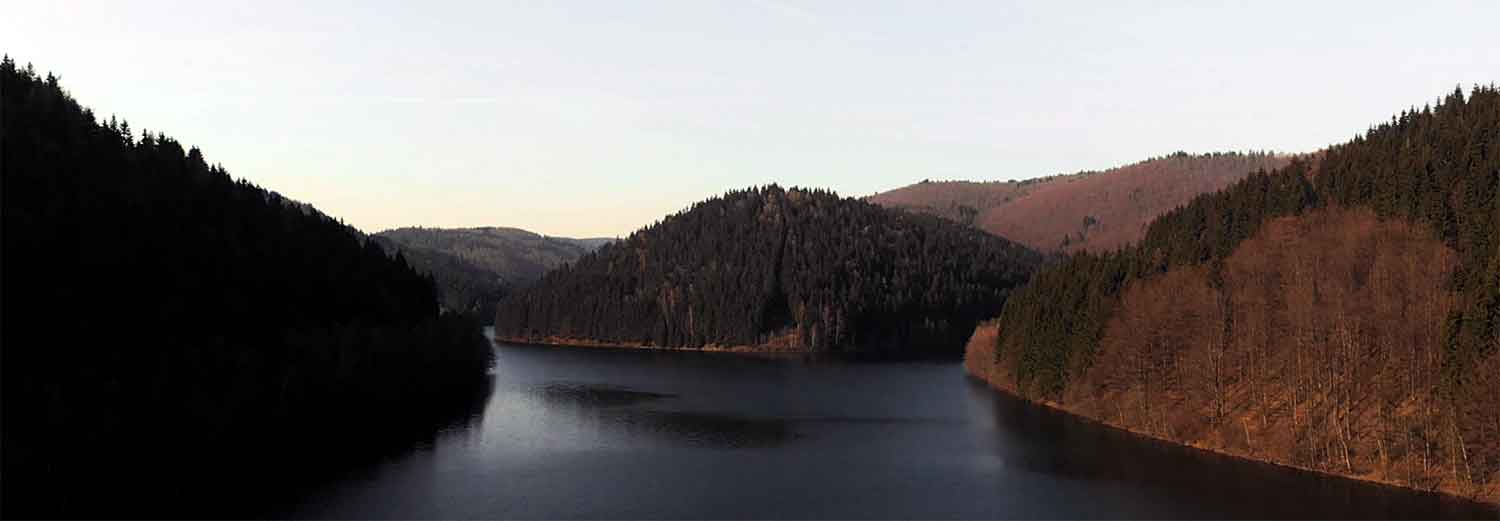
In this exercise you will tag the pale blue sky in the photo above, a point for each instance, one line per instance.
(596, 118)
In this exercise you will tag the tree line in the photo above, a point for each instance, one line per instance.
(169, 325)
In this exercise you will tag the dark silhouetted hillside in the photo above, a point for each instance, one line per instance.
(173, 333)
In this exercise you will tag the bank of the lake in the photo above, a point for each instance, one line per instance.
(998, 378)
(770, 348)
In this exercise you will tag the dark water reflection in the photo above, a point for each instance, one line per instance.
(592, 395)
(584, 433)
(603, 405)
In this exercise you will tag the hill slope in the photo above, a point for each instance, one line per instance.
(1087, 211)
(462, 286)
(474, 267)
(520, 257)
(768, 268)
(1340, 317)
(170, 328)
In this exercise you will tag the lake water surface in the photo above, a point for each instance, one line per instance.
(593, 433)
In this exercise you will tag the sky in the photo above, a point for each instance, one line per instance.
(597, 118)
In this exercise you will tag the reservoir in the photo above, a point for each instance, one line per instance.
(600, 433)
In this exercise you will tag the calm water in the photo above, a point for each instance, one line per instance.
(583, 433)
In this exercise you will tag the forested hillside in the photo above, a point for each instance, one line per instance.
(1340, 316)
(474, 267)
(462, 286)
(518, 256)
(171, 331)
(768, 268)
(1094, 211)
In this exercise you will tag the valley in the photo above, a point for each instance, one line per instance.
(474, 267)
(1240, 334)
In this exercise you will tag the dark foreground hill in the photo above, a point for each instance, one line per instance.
(774, 269)
(174, 337)
(474, 267)
(1342, 316)
(1086, 211)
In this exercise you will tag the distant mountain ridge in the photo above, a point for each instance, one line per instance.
(1087, 211)
(474, 267)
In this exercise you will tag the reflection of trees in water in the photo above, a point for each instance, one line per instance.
(611, 405)
(288, 473)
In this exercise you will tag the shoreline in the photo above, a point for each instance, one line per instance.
(1480, 496)
(769, 350)
(1491, 501)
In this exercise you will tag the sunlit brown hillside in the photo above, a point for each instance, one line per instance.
(1341, 315)
(1332, 361)
(1094, 211)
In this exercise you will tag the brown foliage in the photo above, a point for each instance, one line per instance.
(1318, 345)
(1151, 363)
(979, 354)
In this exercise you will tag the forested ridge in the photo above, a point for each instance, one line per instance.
(776, 268)
(519, 256)
(171, 330)
(475, 267)
(1338, 314)
(462, 285)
